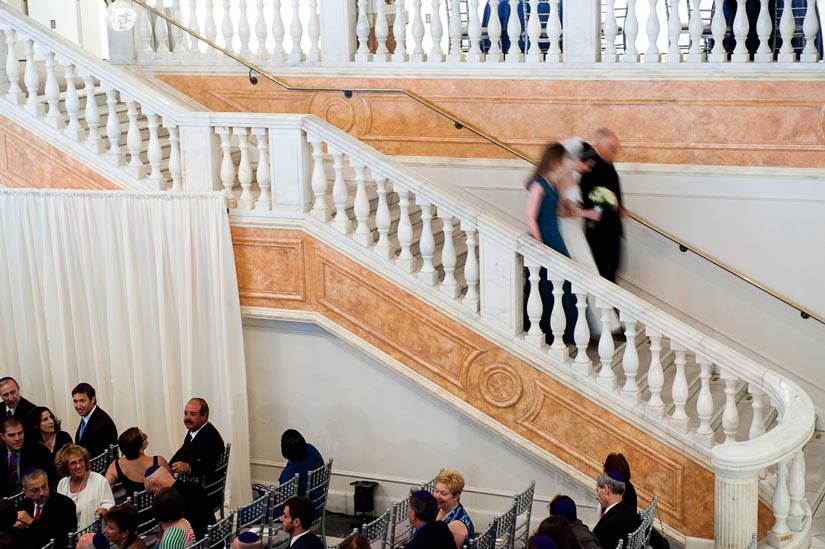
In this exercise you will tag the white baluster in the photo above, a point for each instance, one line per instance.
(175, 166)
(679, 419)
(296, 32)
(704, 403)
(655, 374)
(796, 491)
(314, 32)
(54, 117)
(533, 33)
(610, 28)
(653, 29)
(244, 30)
(449, 285)
(558, 320)
(471, 297)
(261, 30)
(764, 28)
(154, 153)
(92, 114)
(418, 54)
(382, 54)
(606, 377)
(383, 220)
(263, 174)
(278, 32)
(145, 34)
(534, 307)
(161, 31)
(319, 183)
(361, 206)
(514, 54)
(554, 33)
(494, 54)
(193, 23)
(730, 417)
(115, 153)
(787, 26)
(426, 243)
(227, 27)
(757, 428)
(630, 360)
(718, 27)
(810, 28)
(674, 31)
(436, 33)
(134, 141)
(245, 175)
(178, 40)
(405, 260)
(399, 33)
(631, 32)
(740, 32)
(210, 29)
(474, 34)
(340, 193)
(31, 79)
(3, 58)
(696, 29)
(455, 55)
(581, 333)
(362, 31)
(227, 167)
(780, 534)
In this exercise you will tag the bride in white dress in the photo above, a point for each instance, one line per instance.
(571, 227)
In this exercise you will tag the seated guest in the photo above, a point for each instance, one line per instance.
(540, 542)
(197, 510)
(41, 426)
(89, 491)
(121, 525)
(251, 540)
(355, 541)
(96, 431)
(560, 531)
(202, 447)
(130, 469)
(167, 508)
(565, 507)
(428, 533)
(92, 541)
(14, 404)
(448, 487)
(297, 520)
(20, 456)
(619, 518)
(44, 515)
(301, 459)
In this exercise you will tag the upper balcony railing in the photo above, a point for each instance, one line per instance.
(476, 33)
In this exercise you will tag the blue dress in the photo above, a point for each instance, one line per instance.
(303, 467)
(548, 220)
(460, 514)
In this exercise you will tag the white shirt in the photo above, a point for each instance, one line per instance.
(193, 434)
(97, 493)
(294, 539)
(612, 506)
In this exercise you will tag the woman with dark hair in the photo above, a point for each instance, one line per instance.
(559, 530)
(43, 427)
(301, 459)
(121, 525)
(176, 532)
(617, 462)
(129, 469)
(355, 541)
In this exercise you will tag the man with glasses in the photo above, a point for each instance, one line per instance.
(44, 515)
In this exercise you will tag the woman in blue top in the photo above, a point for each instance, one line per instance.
(301, 458)
(448, 487)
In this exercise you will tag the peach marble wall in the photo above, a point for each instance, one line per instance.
(28, 161)
(735, 123)
(284, 269)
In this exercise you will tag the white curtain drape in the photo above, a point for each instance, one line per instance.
(135, 293)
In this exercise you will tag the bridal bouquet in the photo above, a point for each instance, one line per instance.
(602, 199)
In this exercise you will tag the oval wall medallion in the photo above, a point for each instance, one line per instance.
(500, 385)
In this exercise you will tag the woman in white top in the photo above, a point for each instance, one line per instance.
(90, 491)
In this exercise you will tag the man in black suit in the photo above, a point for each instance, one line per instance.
(428, 533)
(296, 521)
(196, 509)
(619, 519)
(43, 514)
(96, 431)
(19, 457)
(14, 404)
(202, 447)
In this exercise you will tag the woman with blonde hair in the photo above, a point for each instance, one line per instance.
(90, 491)
(448, 487)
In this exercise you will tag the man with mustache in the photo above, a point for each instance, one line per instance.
(43, 514)
(202, 447)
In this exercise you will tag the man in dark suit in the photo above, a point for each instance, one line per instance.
(196, 509)
(96, 431)
(619, 519)
(19, 457)
(428, 533)
(202, 447)
(297, 520)
(14, 404)
(43, 514)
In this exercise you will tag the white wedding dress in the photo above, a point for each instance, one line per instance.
(572, 232)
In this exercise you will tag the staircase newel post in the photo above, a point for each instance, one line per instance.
(501, 277)
(201, 157)
(582, 31)
(337, 32)
(736, 504)
(290, 159)
(122, 44)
